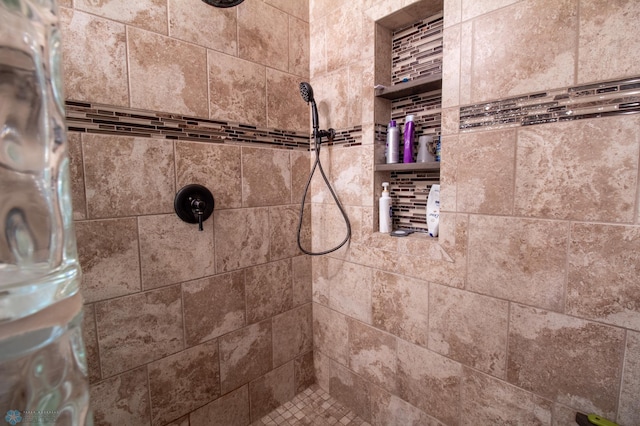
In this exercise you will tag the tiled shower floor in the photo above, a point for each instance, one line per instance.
(313, 406)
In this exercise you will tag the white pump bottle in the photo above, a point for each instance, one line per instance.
(385, 211)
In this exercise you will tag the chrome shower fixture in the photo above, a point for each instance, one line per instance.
(223, 3)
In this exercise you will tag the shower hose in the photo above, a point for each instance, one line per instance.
(318, 164)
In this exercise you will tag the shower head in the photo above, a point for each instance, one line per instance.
(223, 3)
(307, 92)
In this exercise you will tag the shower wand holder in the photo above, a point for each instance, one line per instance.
(329, 134)
(194, 204)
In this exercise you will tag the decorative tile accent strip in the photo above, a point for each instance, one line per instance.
(427, 109)
(417, 50)
(409, 192)
(572, 103)
(345, 137)
(115, 120)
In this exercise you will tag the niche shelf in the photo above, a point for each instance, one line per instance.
(426, 84)
(408, 167)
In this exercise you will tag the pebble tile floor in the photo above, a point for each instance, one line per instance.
(314, 407)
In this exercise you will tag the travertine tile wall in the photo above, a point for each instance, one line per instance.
(527, 309)
(186, 327)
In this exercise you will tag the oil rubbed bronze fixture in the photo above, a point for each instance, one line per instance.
(223, 3)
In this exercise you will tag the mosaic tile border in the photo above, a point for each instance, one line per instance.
(116, 120)
(409, 192)
(351, 136)
(417, 49)
(597, 100)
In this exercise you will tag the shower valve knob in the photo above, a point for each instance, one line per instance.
(194, 204)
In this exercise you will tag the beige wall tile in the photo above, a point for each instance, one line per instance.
(486, 400)
(466, 60)
(147, 14)
(299, 9)
(263, 35)
(283, 230)
(90, 338)
(245, 354)
(201, 321)
(356, 93)
(452, 12)
(606, 43)
(300, 169)
(231, 409)
(389, 410)
(183, 382)
(330, 334)
(292, 334)
(472, 9)
(95, 72)
(469, 328)
(108, 254)
(266, 177)
(629, 405)
(183, 421)
(372, 354)
(269, 290)
(304, 372)
(302, 280)
(429, 381)
(537, 48)
(134, 330)
(322, 369)
(603, 274)
(127, 176)
(451, 66)
(319, 8)
(285, 107)
(350, 291)
(241, 238)
(345, 23)
(76, 176)
(173, 251)
(549, 353)
(564, 170)
(298, 46)
(324, 269)
(237, 90)
(329, 91)
(400, 306)
(159, 66)
(522, 260)
(563, 415)
(474, 154)
(122, 399)
(197, 22)
(215, 166)
(271, 390)
(351, 390)
(317, 45)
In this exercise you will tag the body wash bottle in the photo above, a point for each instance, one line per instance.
(409, 129)
(385, 211)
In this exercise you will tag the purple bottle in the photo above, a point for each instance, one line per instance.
(409, 130)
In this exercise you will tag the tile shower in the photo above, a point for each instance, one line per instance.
(223, 326)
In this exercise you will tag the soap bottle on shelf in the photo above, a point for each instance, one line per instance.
(385, 211)
(409, 130)
(393, 143)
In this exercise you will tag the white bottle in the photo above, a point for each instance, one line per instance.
(433, 210)
(385, 211)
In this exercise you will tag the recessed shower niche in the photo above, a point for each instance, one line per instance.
(408, 81)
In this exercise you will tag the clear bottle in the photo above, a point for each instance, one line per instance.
(42, 355)
(393, 143)
(424, 154)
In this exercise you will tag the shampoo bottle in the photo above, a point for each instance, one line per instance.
(393, 143)
(385, 211)
(409, 129)
(433, 210)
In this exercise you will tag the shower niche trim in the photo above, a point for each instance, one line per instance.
(408, 79)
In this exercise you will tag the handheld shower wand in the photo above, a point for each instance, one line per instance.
(307, 94)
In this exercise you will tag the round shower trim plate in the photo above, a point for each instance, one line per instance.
(223, 3)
